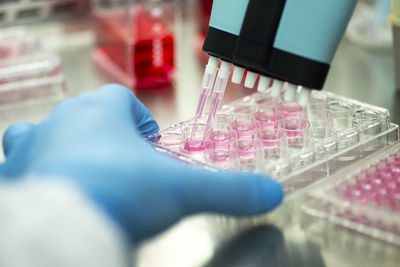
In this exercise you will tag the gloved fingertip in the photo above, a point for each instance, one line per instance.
(265, 193)
(14, 133)
(272, 192)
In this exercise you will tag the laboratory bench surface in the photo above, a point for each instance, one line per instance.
(210, 240)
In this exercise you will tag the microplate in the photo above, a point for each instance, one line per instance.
(22, 11)
(364, 198)
(332, 132)
(28, 72)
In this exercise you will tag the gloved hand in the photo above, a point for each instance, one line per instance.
(95, 141)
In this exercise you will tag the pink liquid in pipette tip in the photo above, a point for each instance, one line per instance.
(202, 101)
(216, 100)
(200, 107)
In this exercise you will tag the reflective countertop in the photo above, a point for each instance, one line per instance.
(209, 240)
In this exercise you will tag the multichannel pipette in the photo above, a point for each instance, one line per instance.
(290, 41)
(293, 42)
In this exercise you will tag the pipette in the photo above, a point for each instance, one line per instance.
(206, 85)
(219, 90)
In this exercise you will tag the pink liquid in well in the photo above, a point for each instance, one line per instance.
(246, 148)
(244, 128)
(271, 140)
(294, 128)
(219, 156)
(194, 146)
(151, 41)
(377, 185)
(216, 100)
(219, 139)
(267, 119)
(291, 110)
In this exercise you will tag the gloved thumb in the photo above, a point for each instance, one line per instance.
(14, 134)
(233, 193)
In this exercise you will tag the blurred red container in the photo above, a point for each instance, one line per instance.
(136, 44)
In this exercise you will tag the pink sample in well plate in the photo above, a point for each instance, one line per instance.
(270, 139)
(194, 146)
(291, 110)
(244, 128)
(268, 119)
(376, 187)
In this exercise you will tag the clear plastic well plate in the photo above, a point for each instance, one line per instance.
(364, 198)
(28, 71)
(298, 146)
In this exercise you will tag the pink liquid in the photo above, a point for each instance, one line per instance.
(294, 128)
(246, 148)
(267, 119)
(271, 140)
(200, 107)
(219, 156)
(151, 40)
(219, 139)
(244, 128)
(194, 146)
(202, 101)
(291, 110)
(216, 100)
(5, 52)
(378, 185)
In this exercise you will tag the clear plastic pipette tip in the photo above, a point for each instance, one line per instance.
(263, 83)
(304, 96)
(276, 88)
(207, 83)
(251, 78)
(237, 75)
(290, 92)
(219, 90)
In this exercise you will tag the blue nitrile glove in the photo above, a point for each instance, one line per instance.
(95, 141)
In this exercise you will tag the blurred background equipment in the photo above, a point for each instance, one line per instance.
(395, 21)
(136, 41)
(23, 11)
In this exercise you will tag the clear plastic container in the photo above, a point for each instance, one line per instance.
(17, 11)
(29, 73)
(136, 42)
(364, 198)
(299, 157)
